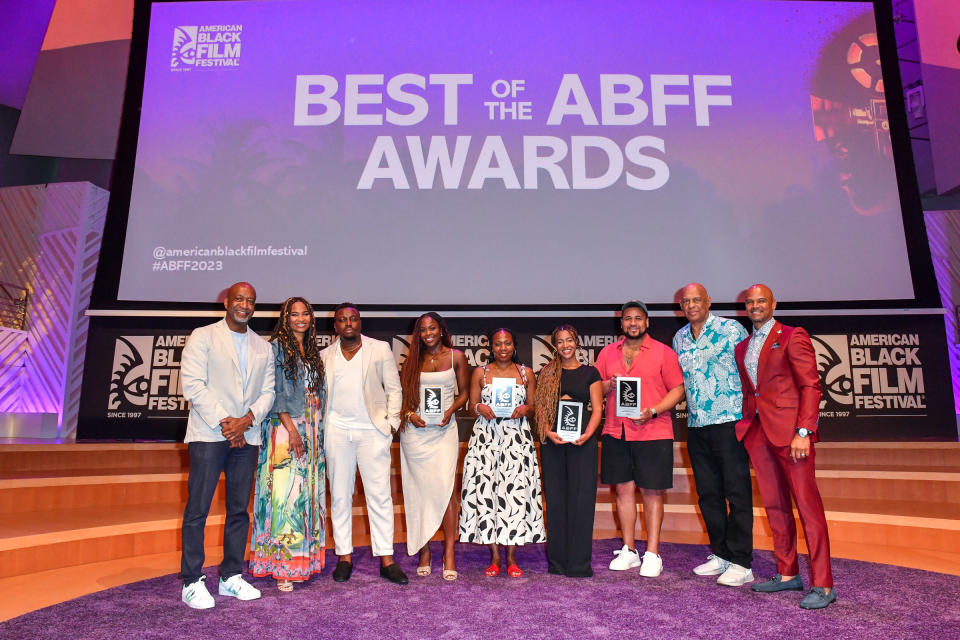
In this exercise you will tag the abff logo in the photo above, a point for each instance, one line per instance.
(833, 364)
(130, 377)
(432, 399)
(184, 46)
(542, 353)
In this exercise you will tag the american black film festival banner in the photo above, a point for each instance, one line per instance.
(882, 377)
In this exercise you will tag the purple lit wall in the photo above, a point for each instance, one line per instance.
(49, 246)
(943, 231)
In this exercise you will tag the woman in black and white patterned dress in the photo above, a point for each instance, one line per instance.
(501, 502)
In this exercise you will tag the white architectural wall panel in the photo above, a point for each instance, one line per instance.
(943, 232)
(13, 362)
(50, 247)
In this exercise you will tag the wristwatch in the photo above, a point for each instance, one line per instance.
(803, 432)
(653, 413)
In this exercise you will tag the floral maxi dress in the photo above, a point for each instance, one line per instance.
(290, 499)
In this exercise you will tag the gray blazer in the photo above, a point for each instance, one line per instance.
(210, 372)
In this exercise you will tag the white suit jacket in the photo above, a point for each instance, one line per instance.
(381, 383)
(210, 371)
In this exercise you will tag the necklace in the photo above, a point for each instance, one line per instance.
(493, 366)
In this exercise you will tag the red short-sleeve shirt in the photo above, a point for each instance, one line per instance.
(658, 368)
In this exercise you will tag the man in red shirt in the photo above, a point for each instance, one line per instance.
(638, 452)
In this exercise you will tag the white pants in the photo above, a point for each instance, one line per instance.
(369, 450)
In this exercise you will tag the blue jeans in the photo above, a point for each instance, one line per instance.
(239, 466)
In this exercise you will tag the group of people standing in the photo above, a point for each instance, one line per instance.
(308, 416)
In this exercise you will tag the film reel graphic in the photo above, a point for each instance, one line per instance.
(863, 58)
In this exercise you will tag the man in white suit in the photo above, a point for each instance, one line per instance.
(362, 414)
(228, 377)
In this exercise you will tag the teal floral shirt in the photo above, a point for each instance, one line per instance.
(710, 371)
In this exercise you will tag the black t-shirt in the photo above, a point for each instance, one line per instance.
(575, 383)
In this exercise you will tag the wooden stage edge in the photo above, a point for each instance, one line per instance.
(77, 518)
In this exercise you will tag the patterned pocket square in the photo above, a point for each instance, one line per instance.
(776, 345)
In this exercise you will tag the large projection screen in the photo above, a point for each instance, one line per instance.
(513, 153)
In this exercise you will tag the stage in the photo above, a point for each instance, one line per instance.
(80, 518)
(501, 165)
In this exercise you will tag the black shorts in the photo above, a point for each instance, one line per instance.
(649, 463)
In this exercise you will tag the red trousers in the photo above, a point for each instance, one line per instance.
(777, 478)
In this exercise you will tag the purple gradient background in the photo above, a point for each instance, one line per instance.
(749, 197)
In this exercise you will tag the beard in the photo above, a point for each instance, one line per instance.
(237, 319)
(640, 334)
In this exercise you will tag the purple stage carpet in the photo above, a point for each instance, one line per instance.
(875, 601)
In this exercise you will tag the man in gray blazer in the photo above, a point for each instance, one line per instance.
(227, 373)
(362, 414)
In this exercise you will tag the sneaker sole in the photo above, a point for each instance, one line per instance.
(709, 573)
(241, 598)
(735, 584)
(198, 606)
(632, 566)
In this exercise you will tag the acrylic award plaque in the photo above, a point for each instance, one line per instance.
(628, 398)
(504, 397)
(431, 404)
(569, 420)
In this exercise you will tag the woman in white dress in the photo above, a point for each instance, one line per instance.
(501, 502)
(434, 379)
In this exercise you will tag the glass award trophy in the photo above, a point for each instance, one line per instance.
(504, 397)
(628, 398)
(569, 420)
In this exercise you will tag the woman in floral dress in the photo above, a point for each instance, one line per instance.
(290, 495)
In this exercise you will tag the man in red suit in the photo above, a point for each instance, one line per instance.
(781, 404)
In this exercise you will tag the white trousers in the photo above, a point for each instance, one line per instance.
(369, 450)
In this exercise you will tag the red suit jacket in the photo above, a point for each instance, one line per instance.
(787, 395)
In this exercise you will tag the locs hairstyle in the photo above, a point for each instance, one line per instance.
(548, 385)
(290, 357)
(410, 372)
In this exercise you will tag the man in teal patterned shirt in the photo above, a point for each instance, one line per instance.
(721, 468)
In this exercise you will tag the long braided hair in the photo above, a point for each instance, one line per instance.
(548, 386)
(290, 348)
(410, 372)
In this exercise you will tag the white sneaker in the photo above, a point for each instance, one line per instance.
(714, 566)
(239, 588)
(627, 558)
(652, 565)
(735, 576)
(196, 596)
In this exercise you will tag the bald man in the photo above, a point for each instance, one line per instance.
(227, 373)
(781, 405)
(721, 469)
